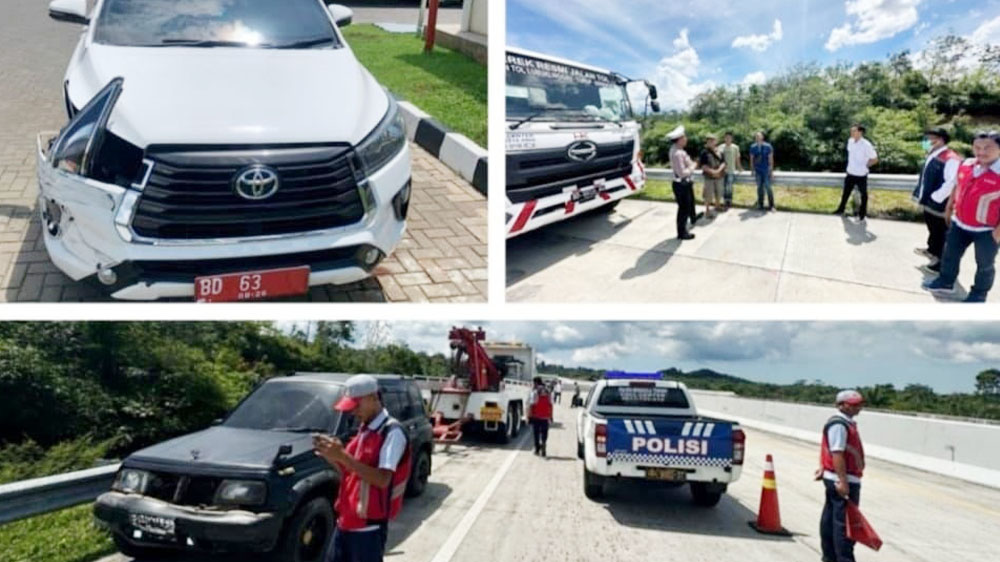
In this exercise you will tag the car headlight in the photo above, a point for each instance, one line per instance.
(388, 138)
(241, 492)
(131, 481)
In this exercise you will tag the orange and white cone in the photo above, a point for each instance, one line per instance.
(768, 516)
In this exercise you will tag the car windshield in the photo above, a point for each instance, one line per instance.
(643, 397)
(215, 23)
(288, 406)
(548, 91)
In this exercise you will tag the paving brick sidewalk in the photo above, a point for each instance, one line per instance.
(441, 259)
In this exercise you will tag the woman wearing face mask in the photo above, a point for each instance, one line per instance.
(937, 180)
(973, 216)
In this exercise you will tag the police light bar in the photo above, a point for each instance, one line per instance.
(633, 376)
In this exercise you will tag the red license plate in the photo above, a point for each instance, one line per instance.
(252, 285)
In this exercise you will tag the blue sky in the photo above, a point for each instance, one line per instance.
(945, 356)
(686, 47)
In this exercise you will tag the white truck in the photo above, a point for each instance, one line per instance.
(643, 428)
(517, 358)
(572, 139)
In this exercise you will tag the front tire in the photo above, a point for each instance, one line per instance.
(307, 533)
(593, 484)
(421, 472)
(579, 450)
(703, 496)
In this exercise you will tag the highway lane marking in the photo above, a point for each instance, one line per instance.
(454, 540)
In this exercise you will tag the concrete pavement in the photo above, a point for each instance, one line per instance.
(632, 255)
(503, 504)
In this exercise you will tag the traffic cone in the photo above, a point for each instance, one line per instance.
(768, 517)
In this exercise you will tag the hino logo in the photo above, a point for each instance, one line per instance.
(256, 182)
(582, 151)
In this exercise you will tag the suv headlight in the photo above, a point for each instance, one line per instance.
(241, 492)
(388, 138)
(131, 481)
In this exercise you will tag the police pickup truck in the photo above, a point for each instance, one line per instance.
(640, 427)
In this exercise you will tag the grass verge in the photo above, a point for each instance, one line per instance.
(62, 536)
(446, 84)
(882, 204)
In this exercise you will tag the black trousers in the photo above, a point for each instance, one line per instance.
(833, 525)
(850, 182)
(684, 194)
(937, 230)
(540, 430)
(365, 546)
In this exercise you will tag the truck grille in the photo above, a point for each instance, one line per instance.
(540, 173)
(183, 490)
(190, 193)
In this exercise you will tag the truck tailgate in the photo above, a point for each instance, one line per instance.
(651, 441)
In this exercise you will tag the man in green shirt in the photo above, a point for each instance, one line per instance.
(731, 155)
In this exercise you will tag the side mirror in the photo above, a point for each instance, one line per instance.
(342, 15)
(72, 11)
(652, 91)
(655, 106)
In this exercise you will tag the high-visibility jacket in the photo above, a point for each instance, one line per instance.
(359, 503)
(977, 199)
(854, 452)
(542, 408)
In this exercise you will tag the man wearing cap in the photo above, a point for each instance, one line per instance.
(374, 469)
(937, 180)
(683, 185)
(843, 461)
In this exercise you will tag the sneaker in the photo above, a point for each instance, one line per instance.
(686, 236)
(975, 297)
(862, 220)
(933, 269)
(839, 212)
(938, 287)
(924, 252)
(771, 208)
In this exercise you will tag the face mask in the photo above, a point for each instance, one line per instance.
(926, 144)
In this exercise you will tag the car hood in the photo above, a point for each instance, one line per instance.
(184, 95)
(224, 446)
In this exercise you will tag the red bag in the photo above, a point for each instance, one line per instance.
(859, 530)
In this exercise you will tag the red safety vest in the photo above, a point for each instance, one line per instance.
(854, 453)
(542, 408)
(360, 504)
(977, 200)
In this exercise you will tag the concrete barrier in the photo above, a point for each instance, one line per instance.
(960, 449)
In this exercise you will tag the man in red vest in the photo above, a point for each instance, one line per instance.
(843, 461)
(540, 414)
(374, 469)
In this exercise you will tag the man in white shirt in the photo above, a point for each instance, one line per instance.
(557, 391)
(860, 157)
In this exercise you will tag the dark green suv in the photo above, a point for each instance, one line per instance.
(251, 482)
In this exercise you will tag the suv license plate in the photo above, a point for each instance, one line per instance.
(584, 194)
(152, 524)
(666, 474)
(252, 285)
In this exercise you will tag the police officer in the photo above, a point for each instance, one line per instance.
(937, 180)
(843, 461)
(540, 414)
(683, 185)
(374, 469)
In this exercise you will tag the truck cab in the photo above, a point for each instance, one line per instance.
(642, 428)
(252, 483)
(572, 139)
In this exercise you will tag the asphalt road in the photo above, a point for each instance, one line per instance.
(632, 255)
(503, 504)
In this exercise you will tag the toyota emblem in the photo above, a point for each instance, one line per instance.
(256, 182)
(582, 151)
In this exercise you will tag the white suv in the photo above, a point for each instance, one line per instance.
(222, 150)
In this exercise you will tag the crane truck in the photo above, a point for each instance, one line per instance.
(485, 394)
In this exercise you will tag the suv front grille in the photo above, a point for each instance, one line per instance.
(535, 174)
(183, 490)
(190, 193)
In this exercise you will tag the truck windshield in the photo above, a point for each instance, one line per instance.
(549, 91)
(215, 23)
(286, 406)
(643, 397)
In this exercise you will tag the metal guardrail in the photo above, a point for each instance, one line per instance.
(28, 498)
(893, 182)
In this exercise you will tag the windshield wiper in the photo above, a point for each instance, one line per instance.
(305, 43)
(301, 429)
(200, 43)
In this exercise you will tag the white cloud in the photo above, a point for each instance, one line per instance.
(759, 43)
(873, 20)
(987, 33)
(603, 353)
(754, 78)
(676, 74)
